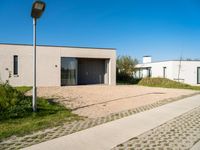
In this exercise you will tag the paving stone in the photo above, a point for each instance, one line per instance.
(180, 133)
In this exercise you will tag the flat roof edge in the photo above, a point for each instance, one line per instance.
(59, 46)
(169, 61)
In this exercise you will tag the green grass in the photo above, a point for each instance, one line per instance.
(17, 117)
(48, 115)
(166, 83)
(23, 89)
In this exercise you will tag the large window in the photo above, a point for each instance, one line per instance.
(15, 65)
(68, 71)
(198, 75)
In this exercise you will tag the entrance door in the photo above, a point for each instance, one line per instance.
(198, 75)
(68, 71)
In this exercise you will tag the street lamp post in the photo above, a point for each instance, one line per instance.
(37, 10)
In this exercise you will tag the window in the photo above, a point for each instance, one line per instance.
(164, 72)
(149, 72)
(15, 65)
(69, 68)
(140, 73)
(198, 75)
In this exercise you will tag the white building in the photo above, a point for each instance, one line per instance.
(57, 65)
(182, 71)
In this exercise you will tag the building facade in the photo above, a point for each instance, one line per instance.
(57, 65)
(183, 71)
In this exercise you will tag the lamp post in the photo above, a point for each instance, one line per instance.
(37, 10)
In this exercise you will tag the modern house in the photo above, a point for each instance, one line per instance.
(57, 65)
(178, 70)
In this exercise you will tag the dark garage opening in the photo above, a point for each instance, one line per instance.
(82, 71)
(91, 71)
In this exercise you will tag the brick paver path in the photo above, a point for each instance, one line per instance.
(181, 133)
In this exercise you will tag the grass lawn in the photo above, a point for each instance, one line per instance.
(48, 115)
(166, 83)
(17, 118)
(23, 89)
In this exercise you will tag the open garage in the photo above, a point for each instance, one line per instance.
(84, 71)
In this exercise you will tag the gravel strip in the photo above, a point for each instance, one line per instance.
(85, 100)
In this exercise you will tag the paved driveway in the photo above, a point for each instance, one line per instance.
(100, 100)
(174, 126)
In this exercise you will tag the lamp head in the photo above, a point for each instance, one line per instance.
(37, 9)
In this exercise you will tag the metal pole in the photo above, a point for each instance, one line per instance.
(34, 67)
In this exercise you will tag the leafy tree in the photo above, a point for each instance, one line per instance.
(125, 67)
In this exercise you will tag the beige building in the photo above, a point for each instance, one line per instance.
(57, 65)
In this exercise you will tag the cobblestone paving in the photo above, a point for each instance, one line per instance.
(180, 133)
(48, 134)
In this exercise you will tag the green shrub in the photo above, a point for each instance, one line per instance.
(13, 103)
(124, 79)
(17, 117)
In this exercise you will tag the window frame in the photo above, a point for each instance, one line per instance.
(15, 65)
(164, 72)
(149, 72)
(198, 79)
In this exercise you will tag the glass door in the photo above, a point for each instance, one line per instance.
(68, 71)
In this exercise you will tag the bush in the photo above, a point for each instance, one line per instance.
(125, 79)
(13, 103)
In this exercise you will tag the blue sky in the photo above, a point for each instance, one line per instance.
(164, 29)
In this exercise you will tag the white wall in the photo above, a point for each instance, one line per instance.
(48, 63)
(188, 71)
(147, 59)
(157, 69)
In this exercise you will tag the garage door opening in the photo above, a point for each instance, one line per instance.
(84, 71)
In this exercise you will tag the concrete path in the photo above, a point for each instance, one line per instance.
(196, 146)
(107, 136)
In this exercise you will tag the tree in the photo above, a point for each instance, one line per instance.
(125, 67)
